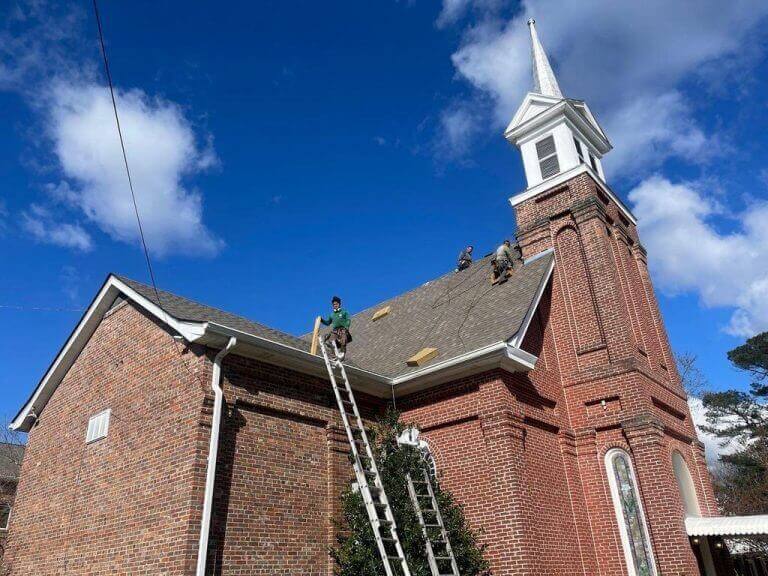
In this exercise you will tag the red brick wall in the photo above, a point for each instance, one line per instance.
(282, 466)
(620, 384)
(129, 503)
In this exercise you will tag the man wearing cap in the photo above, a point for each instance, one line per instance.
(465, 259)
(339, 322)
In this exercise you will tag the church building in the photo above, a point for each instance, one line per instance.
(171, 438)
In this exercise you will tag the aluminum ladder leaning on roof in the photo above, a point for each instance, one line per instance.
(367, 474)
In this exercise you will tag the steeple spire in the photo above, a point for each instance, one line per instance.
(544, 81)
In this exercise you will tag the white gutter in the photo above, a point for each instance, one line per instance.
(520, 356)
(278, 347)
(213, 450)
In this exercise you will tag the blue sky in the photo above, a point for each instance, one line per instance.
(287, 151)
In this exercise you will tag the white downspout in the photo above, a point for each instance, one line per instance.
(213, 450)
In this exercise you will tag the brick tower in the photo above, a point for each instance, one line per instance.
(628, 414)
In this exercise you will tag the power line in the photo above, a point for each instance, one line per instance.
(130, 182)
(122, 147)
(38, 308)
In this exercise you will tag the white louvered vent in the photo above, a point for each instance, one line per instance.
(548, 163)
(98, 426)
(579, 150)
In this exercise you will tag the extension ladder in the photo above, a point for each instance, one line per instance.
(439, 552)
(367, 474)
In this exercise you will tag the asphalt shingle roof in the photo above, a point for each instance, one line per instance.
(186, 309)
(456, 313)
(10, 459)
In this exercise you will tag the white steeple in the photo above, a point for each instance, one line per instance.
(558, 137)
(544, 81)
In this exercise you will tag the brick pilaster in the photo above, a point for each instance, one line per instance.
(660, 497)
(508, 550)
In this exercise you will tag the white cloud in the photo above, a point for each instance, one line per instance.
(459, 125)
(41, 58)
(688, 253)
(627, 59)
(162, 151)
(713, 446)
(43, 227)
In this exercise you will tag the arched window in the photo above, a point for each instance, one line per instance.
(5, 515)
(429, 459)
(629, 514)
(686, 485)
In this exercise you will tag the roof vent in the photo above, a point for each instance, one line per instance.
(381, 313)
(422, 357)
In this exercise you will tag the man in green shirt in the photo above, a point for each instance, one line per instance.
(339, 322)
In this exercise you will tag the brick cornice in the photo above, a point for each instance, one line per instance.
(619, 367)
(503, 423)
(588, 209)
(643, 430)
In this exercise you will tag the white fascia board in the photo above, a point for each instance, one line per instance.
(592, 118)
(529, 100)
(496, 355)
(80, 336)
(517, 358)
(517, 339)
(301, 360)
(529, 193)
(191, 331)
(376, 384)
(533, 126)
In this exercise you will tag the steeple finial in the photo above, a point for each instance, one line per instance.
(544, 81)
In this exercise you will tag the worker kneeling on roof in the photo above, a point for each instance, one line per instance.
(339, 322)
(465, 259)
(504, 261)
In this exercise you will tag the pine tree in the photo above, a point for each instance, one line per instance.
(356, 553)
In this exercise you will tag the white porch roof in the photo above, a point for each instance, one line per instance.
(727, 525)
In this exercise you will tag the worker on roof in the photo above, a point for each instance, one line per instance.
(465, 259)
(504, 261)
(339, 321)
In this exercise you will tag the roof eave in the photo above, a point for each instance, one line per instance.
(80, 336)
(273, 352)
(497, 355)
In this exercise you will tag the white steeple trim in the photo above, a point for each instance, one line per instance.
(544, 81)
